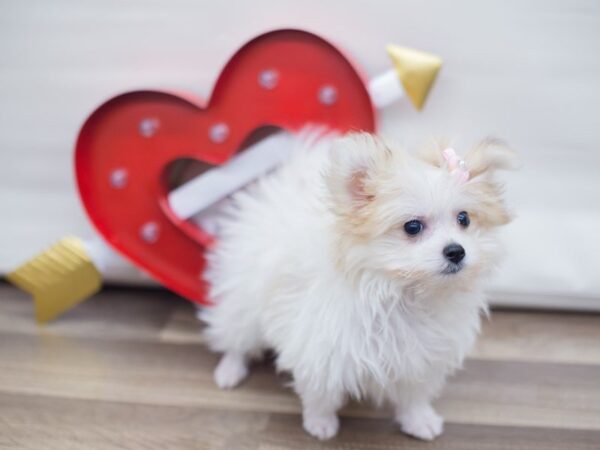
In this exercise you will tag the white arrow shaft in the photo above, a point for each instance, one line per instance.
(208, 188)
(385, 89)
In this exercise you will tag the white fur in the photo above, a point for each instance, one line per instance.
(325, 275)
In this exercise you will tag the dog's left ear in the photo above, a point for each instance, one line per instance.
(489, 156)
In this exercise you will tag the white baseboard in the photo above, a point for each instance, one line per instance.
(535, 301)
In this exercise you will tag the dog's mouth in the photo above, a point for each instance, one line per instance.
(452, 268)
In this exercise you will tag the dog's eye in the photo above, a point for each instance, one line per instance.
(413, 227)
(463, 219)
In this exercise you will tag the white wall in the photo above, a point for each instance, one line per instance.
(526, 71)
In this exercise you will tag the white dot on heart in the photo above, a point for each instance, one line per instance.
(328, 95)
(118, 178)
(150, 232)
(148, 126)
(218, 132)
(268, 79)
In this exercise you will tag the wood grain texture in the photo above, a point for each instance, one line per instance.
(127, 369)
(561, 337)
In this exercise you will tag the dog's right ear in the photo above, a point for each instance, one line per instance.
(356, 160)
(483, 161)
(490, 155)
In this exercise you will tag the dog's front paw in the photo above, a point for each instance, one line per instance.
(422, 423)
(232, 369)
(321, 426)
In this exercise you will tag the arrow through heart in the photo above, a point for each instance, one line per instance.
(284, 78)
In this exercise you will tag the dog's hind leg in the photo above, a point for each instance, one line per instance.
(319, 410)
(231, 370)
(233, 329)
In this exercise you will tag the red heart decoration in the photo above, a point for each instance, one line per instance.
(284, 78)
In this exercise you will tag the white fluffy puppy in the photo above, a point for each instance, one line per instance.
(360, 265)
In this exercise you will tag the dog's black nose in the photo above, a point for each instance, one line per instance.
(454, 253)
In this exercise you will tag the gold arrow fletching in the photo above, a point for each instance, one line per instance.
(58, 278)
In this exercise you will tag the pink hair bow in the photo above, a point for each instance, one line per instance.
(456, 166)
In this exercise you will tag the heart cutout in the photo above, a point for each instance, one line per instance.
(285, 78)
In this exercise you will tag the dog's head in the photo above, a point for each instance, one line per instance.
(424, 219)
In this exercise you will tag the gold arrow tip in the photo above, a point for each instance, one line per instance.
(417, 71)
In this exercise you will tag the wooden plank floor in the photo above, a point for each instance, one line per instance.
(126, 369)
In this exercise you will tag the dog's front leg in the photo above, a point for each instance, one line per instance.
(413, 410)
(319, 410)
